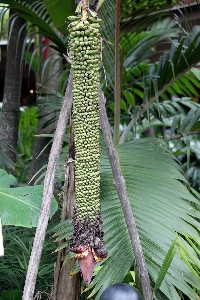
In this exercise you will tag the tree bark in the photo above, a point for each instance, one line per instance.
(46, 114)
(12, 87)
(47, 194)
(120, 186)
(65, 286)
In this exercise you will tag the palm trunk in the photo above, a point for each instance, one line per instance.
(12, 87)
(66, 287)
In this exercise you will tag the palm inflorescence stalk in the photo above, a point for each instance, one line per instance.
(85, 48)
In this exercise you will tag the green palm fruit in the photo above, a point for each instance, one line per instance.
(85, 49)
(94, 20)
(95, 25)
(73, 18)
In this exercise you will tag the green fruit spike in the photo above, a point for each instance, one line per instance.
(85, 56)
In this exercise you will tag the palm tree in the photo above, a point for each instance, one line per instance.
(12, 85)
(158, 191)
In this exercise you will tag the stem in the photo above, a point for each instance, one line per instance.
(117, 75)
(177, 136)
(47, 194)
(120, 186)
(85, 5)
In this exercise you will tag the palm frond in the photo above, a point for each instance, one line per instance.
(36, 13)
(137, 46)
(107, 14)
(132, 8)
(153, 179)
(161, 203)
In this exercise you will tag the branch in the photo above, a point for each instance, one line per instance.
(47, 194)
(144, 108)
(120, 186)
(177, 136)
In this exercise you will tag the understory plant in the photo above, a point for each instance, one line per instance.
(13, 266)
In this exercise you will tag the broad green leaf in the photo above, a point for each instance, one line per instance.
(20, 206)
(59, 10)
(7, 180)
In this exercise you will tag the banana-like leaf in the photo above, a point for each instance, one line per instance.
(59, 10)
(20, 206)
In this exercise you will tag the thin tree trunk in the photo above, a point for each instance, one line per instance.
(120, 186)
(66, 287)
(40, 149)
(47, 194)
(12, 86)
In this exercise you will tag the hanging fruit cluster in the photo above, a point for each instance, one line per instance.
(84, 52)
(85, 58)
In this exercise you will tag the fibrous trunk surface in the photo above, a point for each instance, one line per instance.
(85, 48)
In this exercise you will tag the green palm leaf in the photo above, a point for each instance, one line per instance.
(37, 14)
(162, 207)
(161, 203)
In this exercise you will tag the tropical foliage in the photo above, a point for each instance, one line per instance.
(13, 267)
(21, 205)
(153, 101)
